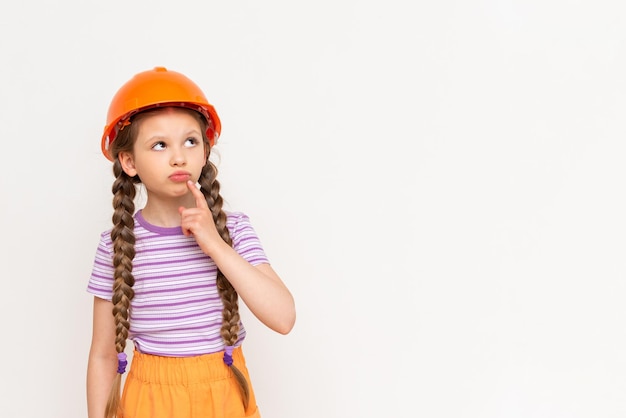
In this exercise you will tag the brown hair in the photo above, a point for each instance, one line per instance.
(123, 238)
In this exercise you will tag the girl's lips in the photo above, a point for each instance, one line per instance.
(180, 176)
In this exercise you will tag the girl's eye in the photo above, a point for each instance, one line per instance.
(159, 146)
(189, 142)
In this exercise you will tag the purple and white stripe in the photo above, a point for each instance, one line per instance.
(176, 310)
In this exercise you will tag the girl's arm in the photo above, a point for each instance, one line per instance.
(258, 286)
(102, 365)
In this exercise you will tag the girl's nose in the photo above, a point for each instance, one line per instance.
(178, 158)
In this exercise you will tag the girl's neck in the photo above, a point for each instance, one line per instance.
(165, 213)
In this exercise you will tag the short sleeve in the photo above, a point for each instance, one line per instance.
(101, 280)
(245, 240)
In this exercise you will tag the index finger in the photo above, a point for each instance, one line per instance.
(197, 194)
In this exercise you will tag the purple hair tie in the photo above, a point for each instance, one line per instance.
(228, 354)
(121, 363)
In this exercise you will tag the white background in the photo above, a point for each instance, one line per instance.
(439, 183)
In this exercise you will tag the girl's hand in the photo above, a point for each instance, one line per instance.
(199, 222)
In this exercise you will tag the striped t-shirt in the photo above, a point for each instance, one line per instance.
(177, 310)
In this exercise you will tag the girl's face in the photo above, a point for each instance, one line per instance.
(168, 151)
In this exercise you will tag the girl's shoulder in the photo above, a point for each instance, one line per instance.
(235, 215)
(105, 236)
(239, 224)
(234, 219)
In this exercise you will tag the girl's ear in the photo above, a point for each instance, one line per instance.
(128, 164)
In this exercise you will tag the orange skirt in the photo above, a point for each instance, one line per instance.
(185, 387)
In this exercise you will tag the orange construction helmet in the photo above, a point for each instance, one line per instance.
(154, 88)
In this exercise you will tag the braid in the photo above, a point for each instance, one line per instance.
(123, 238)
(230, 314)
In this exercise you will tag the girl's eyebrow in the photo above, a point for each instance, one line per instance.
(154, 138)
(163, 138)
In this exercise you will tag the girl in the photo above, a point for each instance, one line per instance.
(169, 275)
